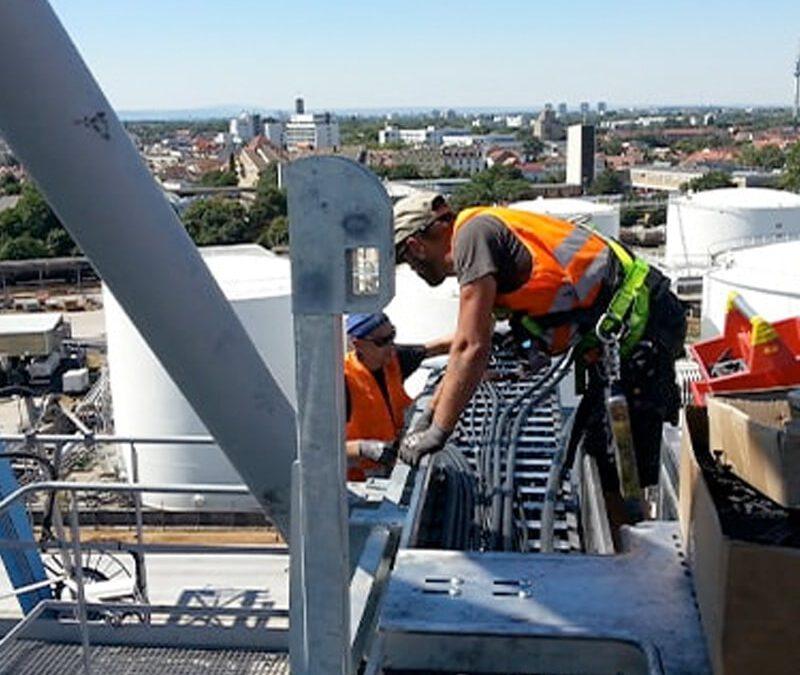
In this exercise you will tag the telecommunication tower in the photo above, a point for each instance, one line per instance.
(797, 90)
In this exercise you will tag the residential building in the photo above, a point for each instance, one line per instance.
(463, 139)
(516, 121)
(416, 137)
(254, 159)
(467, 160)
(580, 155)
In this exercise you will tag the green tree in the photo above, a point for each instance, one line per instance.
(768, 157)
(499, 184)
(33, 220)
(404, 171)
(23, 247)
(532, 147)
(275, 234)
(9, 184)
(610, 145)
(217, 220)
(219, 179)
(608, 183)
(709, 181)
(791, 173)
(60, 244)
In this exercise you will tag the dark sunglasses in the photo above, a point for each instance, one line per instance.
(400, 254)
(383, 341)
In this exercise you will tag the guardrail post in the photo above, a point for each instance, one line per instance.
(342, 260)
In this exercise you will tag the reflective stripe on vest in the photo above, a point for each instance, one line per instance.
(569, 264)
(370, 416)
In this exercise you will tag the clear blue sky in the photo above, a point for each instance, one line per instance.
(163, 54)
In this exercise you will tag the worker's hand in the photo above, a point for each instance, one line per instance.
(420, 443)
(422, 422)
(382, 452)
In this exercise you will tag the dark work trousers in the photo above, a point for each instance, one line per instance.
(648, 382)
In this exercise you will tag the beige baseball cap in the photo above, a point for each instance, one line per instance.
(413, 213)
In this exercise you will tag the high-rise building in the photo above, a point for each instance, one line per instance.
(273, 132)
(547, 127)
(562, 109)
(299, 106)
(585, 108)
(580, 155)
(602, 108)
(244, 127)
(316, 131)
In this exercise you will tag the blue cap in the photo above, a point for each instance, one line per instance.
(361, 325)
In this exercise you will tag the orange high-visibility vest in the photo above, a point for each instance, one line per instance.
(568, 267)
(370, 416)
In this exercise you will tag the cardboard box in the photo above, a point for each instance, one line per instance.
(750, 431)
(748, 593)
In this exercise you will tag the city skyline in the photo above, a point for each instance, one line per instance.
(374, 56)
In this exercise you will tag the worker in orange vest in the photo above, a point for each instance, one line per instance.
(374, 370)
(558, 283)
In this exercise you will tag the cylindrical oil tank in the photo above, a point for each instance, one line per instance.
(605, 217)
(708, 223)
(768, 277)
(147, 403)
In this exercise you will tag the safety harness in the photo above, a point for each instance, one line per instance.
(625, 317)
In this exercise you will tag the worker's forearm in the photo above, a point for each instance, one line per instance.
(438, 346)
(464, 372)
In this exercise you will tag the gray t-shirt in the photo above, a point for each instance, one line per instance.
(485, 246)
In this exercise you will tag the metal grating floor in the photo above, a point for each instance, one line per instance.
(34, 657)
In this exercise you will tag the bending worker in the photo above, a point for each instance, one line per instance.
(374, 370)
(555, 280)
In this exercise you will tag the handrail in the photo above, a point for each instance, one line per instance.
(106, 438)
(739, 243)
(66, 486)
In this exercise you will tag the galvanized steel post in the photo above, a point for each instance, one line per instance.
(64, 131)
(342, 261)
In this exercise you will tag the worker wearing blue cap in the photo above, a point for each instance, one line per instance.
(374, 370)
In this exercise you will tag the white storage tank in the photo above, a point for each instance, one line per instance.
(768, 277)
(147, 403)
(605, 217)
(422, 313)
(710, 222)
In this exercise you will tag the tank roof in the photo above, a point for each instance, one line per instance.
(27, 324)
(248, 271)
(563, 205)
(743, 198)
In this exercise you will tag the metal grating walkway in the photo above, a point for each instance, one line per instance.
(34, 657)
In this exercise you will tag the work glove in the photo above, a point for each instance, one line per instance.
(422, 422)
(420, 443)
(382, 452)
